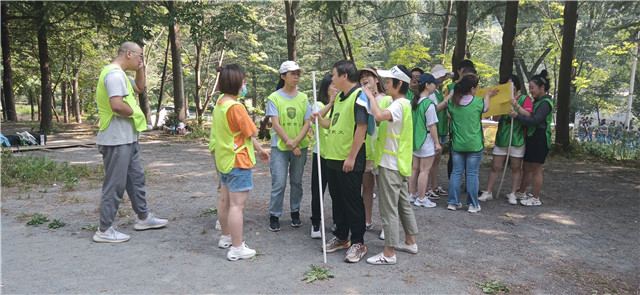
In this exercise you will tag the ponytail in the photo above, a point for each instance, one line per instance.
(464, 87)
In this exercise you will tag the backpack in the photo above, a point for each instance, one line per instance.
(28, 138)
(14, 140)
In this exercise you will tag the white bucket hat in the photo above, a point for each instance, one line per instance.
(289, 66)
(438, 71)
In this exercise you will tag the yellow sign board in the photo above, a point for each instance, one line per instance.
(500, 103)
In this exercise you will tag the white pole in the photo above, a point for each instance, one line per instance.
(506, 161)
(317, 136)
(627, 119)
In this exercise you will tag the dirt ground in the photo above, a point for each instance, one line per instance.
(584, 239)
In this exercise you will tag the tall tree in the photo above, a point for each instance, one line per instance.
(176, 62)
(46, 105)
(445, 30)
(8, 100)
(291, 7)
(459, 53)
(508, 39)
(564, 77)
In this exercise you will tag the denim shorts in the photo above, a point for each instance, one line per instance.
(237, 180)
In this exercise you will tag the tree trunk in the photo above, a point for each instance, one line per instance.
(508, 40)
(65, 106)
(462, 10)
(8, 102)
(46, 124)
(564, 76)
(335, 31)
(346, 36)
(445, 30)
(75, 103)
(31, 100)
(196, 96)
(291, 7)
(176, 61)
(164, 77)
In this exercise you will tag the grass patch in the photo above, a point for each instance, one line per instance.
(56, 223)
(32, 170)
(37, 219)
(90, 227)
(493, 287)
(210, 211)
(317, 273)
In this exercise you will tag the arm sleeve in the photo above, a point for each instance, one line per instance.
(272, 110)
(431, 115)
(538, 116)
(307, 114)
(360, 114)
(239, 120)
(115, 83)
(527, 105)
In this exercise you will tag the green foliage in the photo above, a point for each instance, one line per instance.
(410, 56)
(197, 131)
(90, 227)
(611, 153)
(317, 273)
(32, 170)
(493, 287)
(56, 223)
(37, 219)
(210, 211)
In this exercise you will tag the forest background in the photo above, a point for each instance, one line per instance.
(53, 51)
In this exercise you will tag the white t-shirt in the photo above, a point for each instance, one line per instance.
(393, 127)
(428, 147)
(121, 130)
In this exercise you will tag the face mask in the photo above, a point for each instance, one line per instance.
(244, 91)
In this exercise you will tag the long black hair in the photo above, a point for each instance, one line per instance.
(323, 93)
(463, 87)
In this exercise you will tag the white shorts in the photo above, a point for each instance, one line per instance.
(516, 151)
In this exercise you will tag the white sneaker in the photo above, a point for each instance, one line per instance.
(382, 235)
(315, 234)
(380, 259)
(425, 202)
(520, 196)
(243, 253)
(111, 235)
(486, 196)
(413, 249)
(218, 226)
(453, 207)
(368, 226)
(225, 242)
(512, 199)
(150, 222)
(474, 209)
(531, 201)
(412, 198)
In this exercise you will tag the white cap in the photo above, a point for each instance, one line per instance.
(289, 66)
(394, 72)
(438, 71)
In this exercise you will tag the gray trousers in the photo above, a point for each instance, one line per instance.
(122, 171)
(394, 205)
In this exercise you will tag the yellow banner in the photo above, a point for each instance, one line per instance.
(500, 103)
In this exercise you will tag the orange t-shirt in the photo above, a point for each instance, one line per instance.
(239, 120)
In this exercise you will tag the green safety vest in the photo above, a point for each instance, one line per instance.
(291, 116)
(322, 133)
(466, 126)
(549, 118)
(451, 86)
(504, 128)
(222, 140)
(443, 120)
(369, 144)
(405, 140)
(341, 128)
(105, 112)
(420, 129)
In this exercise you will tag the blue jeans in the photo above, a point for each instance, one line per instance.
(469, 161)
(281, 163)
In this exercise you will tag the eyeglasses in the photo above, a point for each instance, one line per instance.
(138, 54)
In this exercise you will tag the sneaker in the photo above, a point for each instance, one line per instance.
(111, 235)
(454, 207)
(520, 196)
(295, 219)
(532, 201)
(225, 242)
(150, 222)
(440, 191)
(369, 226)
(432, 195)
(218, 226)
(274, 224)
(380, 259)
(382, 235)
(413, 249)
(512, 199)
(474, 209)
(486, 196)
(355, 253)
(375, 195)
(425, 202)
(315, 232)
(412, 198)
(336, 244)
(243, 253)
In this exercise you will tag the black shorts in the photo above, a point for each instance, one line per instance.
(536, 150)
